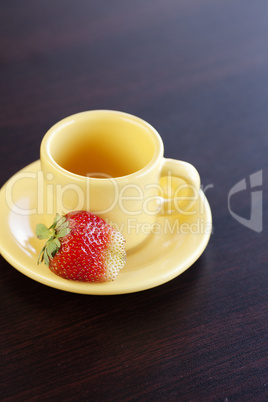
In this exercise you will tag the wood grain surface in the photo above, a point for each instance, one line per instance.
(198, 72)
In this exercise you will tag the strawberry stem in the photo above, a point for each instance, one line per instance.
(58, 229)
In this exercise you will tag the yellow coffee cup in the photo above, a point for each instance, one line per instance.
(111, 163)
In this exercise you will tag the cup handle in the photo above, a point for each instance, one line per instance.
(186, 193)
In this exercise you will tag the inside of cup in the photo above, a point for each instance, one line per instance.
(103, 145)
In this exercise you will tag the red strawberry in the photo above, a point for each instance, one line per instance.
(83, 247)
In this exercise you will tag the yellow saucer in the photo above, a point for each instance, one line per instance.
(173, 247)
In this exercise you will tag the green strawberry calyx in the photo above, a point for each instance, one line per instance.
(58, 229)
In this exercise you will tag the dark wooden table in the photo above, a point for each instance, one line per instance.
(198, 72)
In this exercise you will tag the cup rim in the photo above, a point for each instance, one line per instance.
(46, 156)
